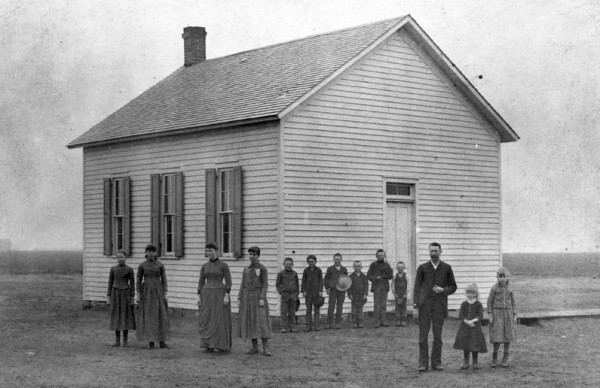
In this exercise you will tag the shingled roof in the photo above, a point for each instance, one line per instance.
(248, 85)
(262, 84)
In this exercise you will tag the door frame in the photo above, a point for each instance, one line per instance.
(414, 199)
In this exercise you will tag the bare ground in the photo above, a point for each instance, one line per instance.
(49, 340)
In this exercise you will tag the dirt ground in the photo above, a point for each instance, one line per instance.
(49, 340)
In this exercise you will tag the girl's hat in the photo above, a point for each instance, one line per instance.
(472, 289)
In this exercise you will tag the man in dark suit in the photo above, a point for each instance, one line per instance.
(434, 282)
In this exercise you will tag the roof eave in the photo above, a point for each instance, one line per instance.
(175, 132)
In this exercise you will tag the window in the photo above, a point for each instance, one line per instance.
(166, 205)
(224, 210)
(116, 215)
(400, 192)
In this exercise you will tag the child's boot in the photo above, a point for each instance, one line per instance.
(266, 352)
(475, 365)
(308, 324)
(494, 359)
(117, 339)
(505, 360)
(254, 348)
(466, 363)
(125, 343)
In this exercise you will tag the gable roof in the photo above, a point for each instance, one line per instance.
(257, 85)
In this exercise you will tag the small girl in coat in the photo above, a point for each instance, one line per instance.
(501, 312)
(470, 336)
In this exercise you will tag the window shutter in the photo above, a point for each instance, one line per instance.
(107, 217)
(211, 206)
(178, 214)
(237, 212)
(126, 217)
(155, 211)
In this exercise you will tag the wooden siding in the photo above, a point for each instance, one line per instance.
(253, 148)
(392, 115)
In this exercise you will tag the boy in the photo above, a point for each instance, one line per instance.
(380, 273)
(336, 297)
(312, 291)
(357, 293)
(287, 285)
(399, 288)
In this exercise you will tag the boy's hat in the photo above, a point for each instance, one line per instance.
(319, 302)
(472, 288)
(343, 283)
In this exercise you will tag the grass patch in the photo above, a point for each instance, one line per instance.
(41, 262)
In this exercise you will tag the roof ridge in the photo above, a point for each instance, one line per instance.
(310, 36)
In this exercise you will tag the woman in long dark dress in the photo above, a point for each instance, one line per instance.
(121, 288)
(255, 321)
(151, 286)
(214, 304)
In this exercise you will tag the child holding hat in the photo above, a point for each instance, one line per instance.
(470, 337)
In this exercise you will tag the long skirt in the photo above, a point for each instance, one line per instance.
(214, 320)
(120, 310)
(255, 321)
(470, 338)
(503, 328)
(153, 316)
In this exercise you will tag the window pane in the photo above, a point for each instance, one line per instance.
(117, 196)
(226, 186)
(119, 233)
(169, 234)
(397, 189)
(226, 233)
(167, 195)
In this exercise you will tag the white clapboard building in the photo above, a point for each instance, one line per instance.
(348, 142)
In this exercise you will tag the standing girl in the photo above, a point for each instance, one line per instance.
(153, 320)
(501, 312)
(470, 336)
(214, 307)
(120, 293)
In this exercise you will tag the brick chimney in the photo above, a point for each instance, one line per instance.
(194, 45)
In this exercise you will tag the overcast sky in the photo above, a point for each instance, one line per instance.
(66, 65)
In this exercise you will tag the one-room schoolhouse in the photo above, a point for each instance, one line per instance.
(347, 142)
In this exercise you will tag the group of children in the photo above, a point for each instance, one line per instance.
(470, 339)
(313, 282)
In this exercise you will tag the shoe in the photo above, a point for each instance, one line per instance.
(151, 345)
(356, 326)
(376, 326)
(316, 328)
(398, 324)
(466, 366)
(292, 330)
(504, 360)
(402, 324)
(337, 327)
(116, 344)
(329, 327)
(494, 360)
(437, 367)
(209, 350)
(125, 344)
(163, 345)
(307, 329)
(422, 368)
(267, 353)
(475, 367)
(360, 326)
(383, 324)
(284, 331)
(253, 351)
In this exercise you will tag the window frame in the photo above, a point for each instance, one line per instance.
(216, 211)
(167, 214)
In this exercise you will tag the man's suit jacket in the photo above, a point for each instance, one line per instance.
(427, 277)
